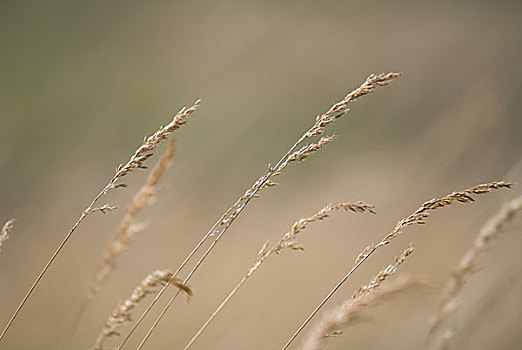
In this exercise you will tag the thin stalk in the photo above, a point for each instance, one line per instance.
(48, 264)
(288, 241)
(418, 217)
(125, 234)
(332, 292)
(149, 307)
(136, 161)
(439, 333)
(335, 112)
(226, 214)
(218, 310)
(207, 252)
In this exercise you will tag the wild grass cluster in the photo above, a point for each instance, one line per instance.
(315, 330)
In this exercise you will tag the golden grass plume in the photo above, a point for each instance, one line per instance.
(438, 334)
(334, 322)
(122, 314)
(129, 228)
(288, 241)
(143, 152)
(295, 153)
(418, 217)
(6, 229)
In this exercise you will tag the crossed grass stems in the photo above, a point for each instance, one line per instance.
(293, 154)
(298, 152)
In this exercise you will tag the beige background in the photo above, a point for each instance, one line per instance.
(83, 82)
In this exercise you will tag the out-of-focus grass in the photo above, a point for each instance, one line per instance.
(82, 83)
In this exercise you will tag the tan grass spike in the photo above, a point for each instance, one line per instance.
(287, 241)
(417, 218)
(295, 153)
(438, 334)
(143, 152)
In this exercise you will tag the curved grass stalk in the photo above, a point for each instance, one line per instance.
(122, 313)
(136, 161)
(218, 228)
(335, 112)
(287, 241)
(417, 218)
(438, 335)
(334, 322)
(127, 231)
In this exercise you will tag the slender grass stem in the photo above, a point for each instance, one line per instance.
(293, 154)
(136, 161)
(418, 217)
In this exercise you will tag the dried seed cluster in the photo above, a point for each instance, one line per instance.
(122, 313)
(129, 229)
(438, 334)
(4, 234)
(341, 107)
(287, 241)
(145, 151)
(338, 319)
(464, 196)
(418, 217)
(289, 238)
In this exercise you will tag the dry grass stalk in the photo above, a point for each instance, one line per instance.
(438, 334)
(4, 234)
(417, 218)
(129, 228)
(122, 313)
(341, 107)
(299, 155)
(287, 241)
(294, 154)
(104, 209)
(338, 319)
(143, 152)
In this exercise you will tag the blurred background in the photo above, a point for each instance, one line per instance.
(83, 82)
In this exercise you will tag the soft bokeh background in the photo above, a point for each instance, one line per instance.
(83, 82)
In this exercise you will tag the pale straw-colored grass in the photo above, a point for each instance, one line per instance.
(122, 314)
(307, 144)
(136, 161)
(288, 241)
(439, 333)
(129, 227)
(334, 322)
(6, 229)
(297, 152)
(417, 218)
(128, 230)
